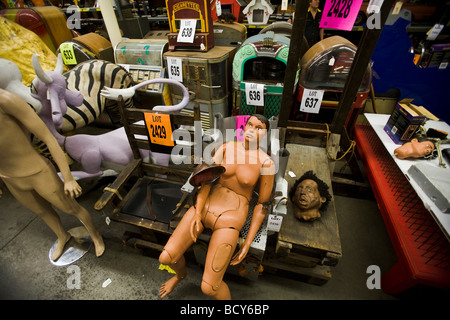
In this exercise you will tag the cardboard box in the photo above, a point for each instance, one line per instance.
(405, 120)
(439, 56)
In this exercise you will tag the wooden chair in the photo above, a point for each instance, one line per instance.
(141, 180)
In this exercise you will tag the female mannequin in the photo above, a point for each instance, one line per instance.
(223, 208)
(31, 178)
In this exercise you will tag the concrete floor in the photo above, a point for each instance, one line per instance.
(26, 273)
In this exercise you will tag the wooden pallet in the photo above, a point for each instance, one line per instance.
(308, 248)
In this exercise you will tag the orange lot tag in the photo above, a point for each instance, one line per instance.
(159, 128)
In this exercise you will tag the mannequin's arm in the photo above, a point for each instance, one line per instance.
(19, 109)
(202, 196)
(259, 212)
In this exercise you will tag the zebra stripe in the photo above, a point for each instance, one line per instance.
(89, 78)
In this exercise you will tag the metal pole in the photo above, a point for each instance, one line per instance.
(366, 47)
(297, 47)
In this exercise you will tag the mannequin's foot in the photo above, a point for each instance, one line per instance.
(99, 246)
(60, 247)
(167, 287)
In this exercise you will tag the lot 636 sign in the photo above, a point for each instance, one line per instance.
(254, 94)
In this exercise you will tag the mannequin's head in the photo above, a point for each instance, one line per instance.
(310, 196)
(256, 128)
(414, 149)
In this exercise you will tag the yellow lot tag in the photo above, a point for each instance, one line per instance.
(68, 54)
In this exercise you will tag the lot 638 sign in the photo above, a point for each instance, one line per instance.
(311, 101)
(187, 31)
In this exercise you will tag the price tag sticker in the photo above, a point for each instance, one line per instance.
(274, 223)
(311, 101)
(397, 8)
(159, 128)
(433, 33)
(254, 94)
(174, 66)
(240, 124)
(68, 54)
(187, 30)
(218, 8)
(340, 14)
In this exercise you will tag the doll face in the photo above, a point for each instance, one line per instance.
(307, 198)
(414, 149)
(254, 129)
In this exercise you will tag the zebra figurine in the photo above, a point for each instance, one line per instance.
(89, 78)
(89, 150)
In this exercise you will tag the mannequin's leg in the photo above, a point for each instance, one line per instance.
(173, 251)
(53, 192)
(38, 205)
(220, 251)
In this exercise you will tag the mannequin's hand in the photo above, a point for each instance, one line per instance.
(240, 255)
(195, 226)
(72, 188)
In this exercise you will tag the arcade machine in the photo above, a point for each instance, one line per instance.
(206, 74)
(143, 58)
(234, 7)
(202, 67)
(324, 69)
(258, 74)
(228, 28)
(191, 26)
(258, 12)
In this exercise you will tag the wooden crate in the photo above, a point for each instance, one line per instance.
(308, 248)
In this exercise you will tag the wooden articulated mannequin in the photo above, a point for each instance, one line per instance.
(223, 207)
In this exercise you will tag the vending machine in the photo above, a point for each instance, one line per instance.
(143, 58)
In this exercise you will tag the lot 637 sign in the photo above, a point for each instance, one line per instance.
(311, 101)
